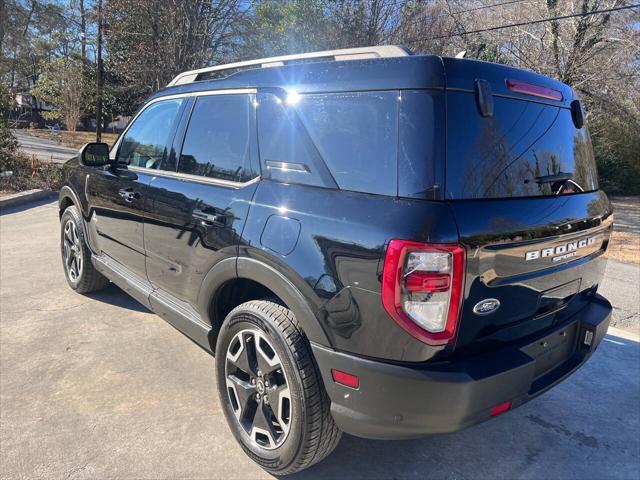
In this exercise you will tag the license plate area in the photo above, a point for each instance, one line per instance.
(552, 350)
(557, 298)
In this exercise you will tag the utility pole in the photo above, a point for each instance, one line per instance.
(99, 77)
(83, 32)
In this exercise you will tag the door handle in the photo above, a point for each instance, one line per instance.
(128, 195)
(207, 217)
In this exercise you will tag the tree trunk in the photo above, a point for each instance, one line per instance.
(99, 77)
(83, 33)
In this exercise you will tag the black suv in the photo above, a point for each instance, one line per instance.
(369, 241)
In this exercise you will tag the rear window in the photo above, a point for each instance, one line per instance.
(509, 153)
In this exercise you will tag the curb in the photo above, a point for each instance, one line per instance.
(626, 334)
(25, 197)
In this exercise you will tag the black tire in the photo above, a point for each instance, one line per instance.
(80, 273)
(311, 434)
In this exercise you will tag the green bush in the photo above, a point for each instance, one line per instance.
(8, 142)
(18, 171)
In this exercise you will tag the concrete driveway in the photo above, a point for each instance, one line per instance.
(98, 387)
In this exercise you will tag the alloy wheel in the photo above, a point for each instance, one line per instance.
(72, 251)
(258, 389)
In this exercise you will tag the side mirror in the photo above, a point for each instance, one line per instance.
(94, 155)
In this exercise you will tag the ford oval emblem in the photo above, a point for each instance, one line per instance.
(486, 306)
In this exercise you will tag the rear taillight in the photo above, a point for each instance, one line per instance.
(422, 288)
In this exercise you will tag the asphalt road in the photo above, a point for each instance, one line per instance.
(44, 149)
(97, 386)
(622, 283)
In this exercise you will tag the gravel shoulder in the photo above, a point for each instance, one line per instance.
(625, 239)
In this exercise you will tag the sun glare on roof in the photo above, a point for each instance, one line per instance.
(293, 98)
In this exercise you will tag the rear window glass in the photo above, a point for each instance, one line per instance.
(506, 154)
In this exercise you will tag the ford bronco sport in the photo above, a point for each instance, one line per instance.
(368, 241)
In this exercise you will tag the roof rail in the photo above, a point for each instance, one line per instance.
(359, 53)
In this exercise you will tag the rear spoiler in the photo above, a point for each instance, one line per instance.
(502, 80)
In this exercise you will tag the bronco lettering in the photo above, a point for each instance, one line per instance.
(560, 250)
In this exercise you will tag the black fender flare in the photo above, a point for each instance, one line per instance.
(67, 192)
(216, 277)
(274, 280)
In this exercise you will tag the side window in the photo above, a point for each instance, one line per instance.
(287, 153)
(356, 134)
(146, 142)
(218, 139)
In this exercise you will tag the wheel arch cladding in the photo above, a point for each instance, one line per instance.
(66, 198)
(257, 280)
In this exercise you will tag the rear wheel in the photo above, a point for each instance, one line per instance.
(80, 273)
(271, 390)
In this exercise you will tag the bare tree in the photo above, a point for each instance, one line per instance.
(150, 41)
(361, 23)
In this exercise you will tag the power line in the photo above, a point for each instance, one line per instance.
(483, 7)
(520, 24)
(420, 19)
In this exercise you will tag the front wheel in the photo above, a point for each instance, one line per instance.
(271, 390)
(76, 257)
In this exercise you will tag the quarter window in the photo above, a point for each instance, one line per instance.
(347, 140)
(356, 134)
(286, 151)
(145, 144)
(218, 140)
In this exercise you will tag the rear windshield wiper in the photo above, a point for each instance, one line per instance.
(562, 183)
(556, 177)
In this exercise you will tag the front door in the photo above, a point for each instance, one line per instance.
(195, 216)
(117, 195)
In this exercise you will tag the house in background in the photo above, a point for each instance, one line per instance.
(28, 109)
(119, 123)
(27, 112)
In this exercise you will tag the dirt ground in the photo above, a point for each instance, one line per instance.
(73, 139)
(625, 241)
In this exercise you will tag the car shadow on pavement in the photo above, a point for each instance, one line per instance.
(28, 205)
(549, 437)
(114, 295)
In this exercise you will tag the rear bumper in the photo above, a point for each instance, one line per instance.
(395, 401)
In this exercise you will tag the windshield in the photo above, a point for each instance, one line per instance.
(524, 149)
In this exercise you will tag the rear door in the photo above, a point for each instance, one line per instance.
(195, 214)
(522, 184)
